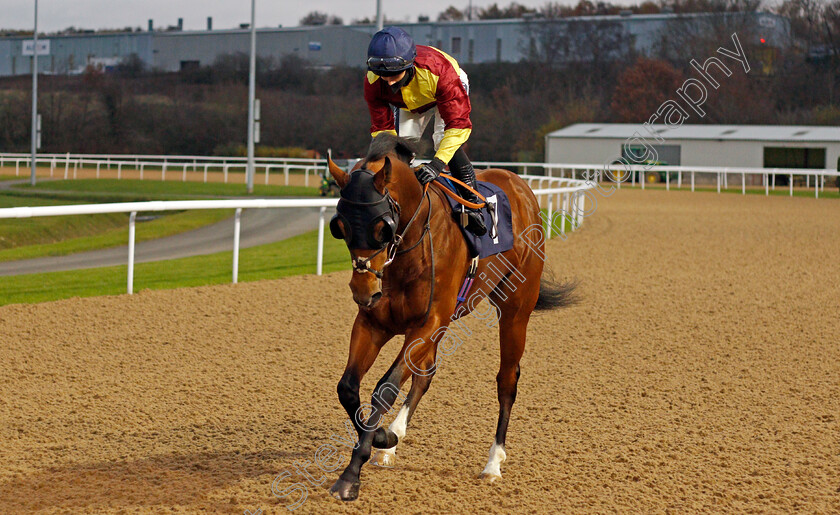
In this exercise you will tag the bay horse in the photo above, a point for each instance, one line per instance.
(409, 259)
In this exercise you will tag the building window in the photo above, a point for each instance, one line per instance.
(456, 45)
(189, 66)
(498, 50)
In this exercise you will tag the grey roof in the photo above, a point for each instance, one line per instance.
(701, 132)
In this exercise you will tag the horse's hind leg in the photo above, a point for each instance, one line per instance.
(512, 329)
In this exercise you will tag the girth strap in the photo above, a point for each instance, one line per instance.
(468, 282)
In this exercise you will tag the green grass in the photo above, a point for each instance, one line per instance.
(62, 235)
(161, 190)
(558, 222)
(17, 232)
(294, 256)
(99, 235)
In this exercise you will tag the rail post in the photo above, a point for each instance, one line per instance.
(564, 210)
(766, 185)
(791, 185)
(550, 216)
(237, 224)
(319, 266)
(692, 180)
(131, 220)
(743, 183)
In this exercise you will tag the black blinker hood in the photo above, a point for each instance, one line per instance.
(361, 206)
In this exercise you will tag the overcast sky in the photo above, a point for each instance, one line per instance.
(55, 15)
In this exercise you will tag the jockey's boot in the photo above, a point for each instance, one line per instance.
(462, 169)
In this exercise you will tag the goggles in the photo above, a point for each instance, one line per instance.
(388, 64)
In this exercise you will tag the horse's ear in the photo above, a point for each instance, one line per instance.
(340, 176)
(382, 176)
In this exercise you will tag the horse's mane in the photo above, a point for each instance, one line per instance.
(385, 143)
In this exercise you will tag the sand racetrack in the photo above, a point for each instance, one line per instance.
(701, 372)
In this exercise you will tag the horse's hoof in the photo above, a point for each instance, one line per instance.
(345, 490)
(385, 458)
(489, 477)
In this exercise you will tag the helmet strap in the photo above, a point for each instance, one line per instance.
(409, 74)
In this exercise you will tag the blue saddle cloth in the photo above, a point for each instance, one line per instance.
(493, 241)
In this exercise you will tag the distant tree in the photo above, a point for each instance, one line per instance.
(319, 18)
(451, 13)
(132, 66)
(494, 12)
(642, 88)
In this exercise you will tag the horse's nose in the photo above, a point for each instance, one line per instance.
(368, 301)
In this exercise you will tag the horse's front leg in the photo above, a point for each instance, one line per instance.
(365, 343)
(418, 360)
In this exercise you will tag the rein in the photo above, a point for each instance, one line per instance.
(457, 198)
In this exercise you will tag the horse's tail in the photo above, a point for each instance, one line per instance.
(555, 294)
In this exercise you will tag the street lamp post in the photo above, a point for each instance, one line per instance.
(34, 96)
(252, 79)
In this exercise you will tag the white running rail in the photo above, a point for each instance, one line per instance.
(567, 193)
(631, 173)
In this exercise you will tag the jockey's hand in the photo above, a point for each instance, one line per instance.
(429, 171)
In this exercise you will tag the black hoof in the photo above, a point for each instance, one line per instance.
(345, 490)
(384, 438)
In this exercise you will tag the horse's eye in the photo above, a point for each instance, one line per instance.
(380, 232)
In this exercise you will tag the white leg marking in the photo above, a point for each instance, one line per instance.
(387, 457)
(399, 424)
(493, 470)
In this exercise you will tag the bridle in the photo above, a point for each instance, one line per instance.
(373, 208)
(362, 265)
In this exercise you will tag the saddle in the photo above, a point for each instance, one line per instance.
(497, 218)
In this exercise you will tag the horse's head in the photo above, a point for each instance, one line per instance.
(368, 218)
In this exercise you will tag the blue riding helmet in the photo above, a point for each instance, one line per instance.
(391, 51)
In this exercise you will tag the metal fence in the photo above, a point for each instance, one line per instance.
(618, 174)
(565, 192)
(67, 166)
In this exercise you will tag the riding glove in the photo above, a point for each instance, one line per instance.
(429, 171)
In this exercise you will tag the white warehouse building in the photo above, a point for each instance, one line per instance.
(747, 146)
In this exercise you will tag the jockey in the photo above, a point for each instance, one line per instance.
(406, 86)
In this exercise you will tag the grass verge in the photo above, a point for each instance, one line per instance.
(160, 190)
(102, 232)
(294, 256)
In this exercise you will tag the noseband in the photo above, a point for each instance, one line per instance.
(367, 213)
(362, 265)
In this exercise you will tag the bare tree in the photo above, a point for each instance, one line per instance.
(319, 18)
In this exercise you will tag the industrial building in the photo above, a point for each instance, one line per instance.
(748, 146)
(481, 41)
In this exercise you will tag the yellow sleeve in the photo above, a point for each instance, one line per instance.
(451, 142)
